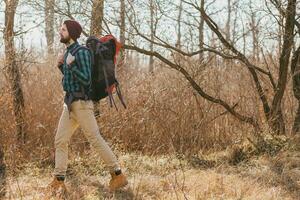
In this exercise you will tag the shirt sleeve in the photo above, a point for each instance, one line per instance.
(81, 68)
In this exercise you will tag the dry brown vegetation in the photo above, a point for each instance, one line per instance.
(212, 111)
(158, 178)
(168, 177)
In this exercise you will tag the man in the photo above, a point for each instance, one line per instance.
(78, 109)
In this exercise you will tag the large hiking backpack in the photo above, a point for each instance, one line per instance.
(104, 51)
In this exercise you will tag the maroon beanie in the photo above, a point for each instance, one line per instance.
(74, 29)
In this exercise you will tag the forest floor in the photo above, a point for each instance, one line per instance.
(218, 175)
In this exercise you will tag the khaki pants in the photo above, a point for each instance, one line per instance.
(82, 115)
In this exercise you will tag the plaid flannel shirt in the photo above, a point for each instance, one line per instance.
(77, 75)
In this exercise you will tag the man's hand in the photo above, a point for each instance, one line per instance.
(60, 59)
(70, 59)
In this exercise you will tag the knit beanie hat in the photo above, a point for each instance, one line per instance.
(74, 29)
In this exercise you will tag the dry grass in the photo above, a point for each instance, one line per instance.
(156, 177)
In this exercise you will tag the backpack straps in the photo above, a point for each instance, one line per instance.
(111, 98)
(120, 94)
(109, 92)
(75, 50)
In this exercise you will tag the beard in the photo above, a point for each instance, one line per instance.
(65, 40)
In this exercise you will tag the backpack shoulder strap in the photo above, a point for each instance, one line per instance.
(75, 50)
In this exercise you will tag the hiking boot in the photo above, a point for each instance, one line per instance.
(57, 187)
(118, 180)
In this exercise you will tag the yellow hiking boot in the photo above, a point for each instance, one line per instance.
(118, 180)
(57, 187)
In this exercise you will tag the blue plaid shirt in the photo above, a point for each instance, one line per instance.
(77, 75)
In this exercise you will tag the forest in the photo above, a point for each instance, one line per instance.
(212, 93)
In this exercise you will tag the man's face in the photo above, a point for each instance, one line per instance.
(64, 34)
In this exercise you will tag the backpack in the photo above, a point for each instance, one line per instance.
(104, 83)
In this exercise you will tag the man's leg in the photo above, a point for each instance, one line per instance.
(66, 127)
(86, 119)
(84, 115)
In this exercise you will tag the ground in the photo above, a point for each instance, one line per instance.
(168, 177)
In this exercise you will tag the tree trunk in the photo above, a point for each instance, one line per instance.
(201, 34)
(122, 25)
(49, 23)
(178, 43)
(213, 45)
(2, 173)
(227, 28)
(295, 69)
(97, 17)
(277, 123)
(254, 31)
(13, 73)
(280, 31)
(96, 30)
(228, 62)
(122, 33)
(244, 39)
(151, 61)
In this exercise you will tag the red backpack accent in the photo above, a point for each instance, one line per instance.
(118, 44)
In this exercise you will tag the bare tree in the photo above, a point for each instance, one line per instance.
(201, 33)
(12, 69)
(295, 61)
(227, 27)
(97, 17)
(122, 31)
(151, 7)
(273, 112)
(122, 19)
(254, 23)
(280, 33)
(49, 24)
(178, 43)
